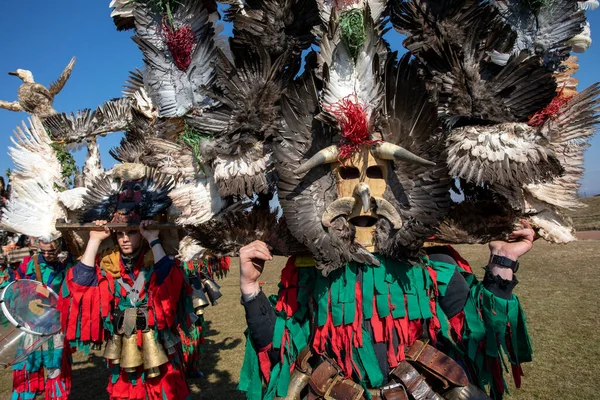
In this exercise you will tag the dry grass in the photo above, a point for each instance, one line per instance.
(558, 289)
(588, 218)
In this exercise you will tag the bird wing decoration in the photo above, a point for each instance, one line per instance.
(569, 134)
(243, 123)
(170, 158)
(506, 154)
(112, 116)
(349, 76)
(122, 13)
(33, 209)
(33, 155)
(240, 224)
(100, 200)
(454, 43)
(542, 28)
(419, 192)
(197, 202)
(281, 27)
(57, 86)
(377, 8)
(176, 75)
(135, 89)
(34, 205)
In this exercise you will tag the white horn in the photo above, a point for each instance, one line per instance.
(389, 151)
(326, 156)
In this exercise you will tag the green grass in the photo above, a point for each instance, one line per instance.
(587, 218)
(558, 289)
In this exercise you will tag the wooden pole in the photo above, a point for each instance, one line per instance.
(62, 226)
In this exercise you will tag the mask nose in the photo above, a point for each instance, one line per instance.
(363, 192)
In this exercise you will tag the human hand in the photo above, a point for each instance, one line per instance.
(149, 234)
(519, 243)
(252, 262)
(99, 236)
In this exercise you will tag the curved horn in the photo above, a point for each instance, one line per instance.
(387, 210)
(326, 156)
(363, 191)
(389, 151)
(342, 206)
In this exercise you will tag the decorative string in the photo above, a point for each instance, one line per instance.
(353, 121)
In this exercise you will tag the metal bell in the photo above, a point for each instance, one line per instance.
(131, 356)
(112, 351)
(199, 300)
(152, 351)
(152, 372)
(212, 289)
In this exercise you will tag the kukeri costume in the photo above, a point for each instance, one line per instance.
(134, 302)
(47, 369)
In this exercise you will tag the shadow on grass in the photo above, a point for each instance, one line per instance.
(90, 378)
(222, 384)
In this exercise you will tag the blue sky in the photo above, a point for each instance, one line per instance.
(42, 36)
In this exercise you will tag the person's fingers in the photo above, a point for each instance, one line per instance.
(258, 254)
(256, 245)
(523, 233)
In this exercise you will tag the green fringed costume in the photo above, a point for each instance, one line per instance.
(360, 305)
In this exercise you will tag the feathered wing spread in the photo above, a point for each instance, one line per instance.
(58, 85)
(178, 55)
(34, 207)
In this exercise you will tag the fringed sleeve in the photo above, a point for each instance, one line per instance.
(489, 330)
(81, 304)
(291, 335)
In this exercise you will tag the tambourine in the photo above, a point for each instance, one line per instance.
(31, 309)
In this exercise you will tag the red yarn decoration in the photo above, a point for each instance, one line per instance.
(180, 43)
(551, 111)
(352, 119)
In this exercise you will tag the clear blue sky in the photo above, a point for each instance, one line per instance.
(42, 36)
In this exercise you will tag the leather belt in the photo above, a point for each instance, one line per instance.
(327, 382)
(436, 363)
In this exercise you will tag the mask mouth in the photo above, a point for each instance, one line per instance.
(363, 221)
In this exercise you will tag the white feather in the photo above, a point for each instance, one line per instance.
(189, 249)
(197, 202)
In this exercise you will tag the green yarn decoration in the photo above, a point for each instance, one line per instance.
(352, 24)
(192, 139)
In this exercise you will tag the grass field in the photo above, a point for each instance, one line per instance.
(558, 289)
(588, 218)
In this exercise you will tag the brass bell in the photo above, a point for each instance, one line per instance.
(153, 352)
(199, 300)
(112, 351)
(212, 289)
(131, 356)
(152, 372)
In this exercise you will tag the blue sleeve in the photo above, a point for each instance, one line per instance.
(162, 269)
(85, 275)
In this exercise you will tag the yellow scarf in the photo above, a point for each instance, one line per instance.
(110, 261)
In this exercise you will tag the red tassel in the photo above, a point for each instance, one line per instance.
(25, 381)
(551, 111)
(180, 43)
(353, 121)
(264, 362)
(498, 380)
(288, 297)
(164, 297)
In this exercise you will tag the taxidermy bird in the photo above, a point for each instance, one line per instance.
(35, 98)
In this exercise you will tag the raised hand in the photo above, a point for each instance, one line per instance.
(252, 262)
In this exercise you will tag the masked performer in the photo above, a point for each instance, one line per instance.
(48, 369)
(134, 292)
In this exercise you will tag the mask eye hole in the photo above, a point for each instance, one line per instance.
(374, 172)
(137, 187)
(349, 173)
